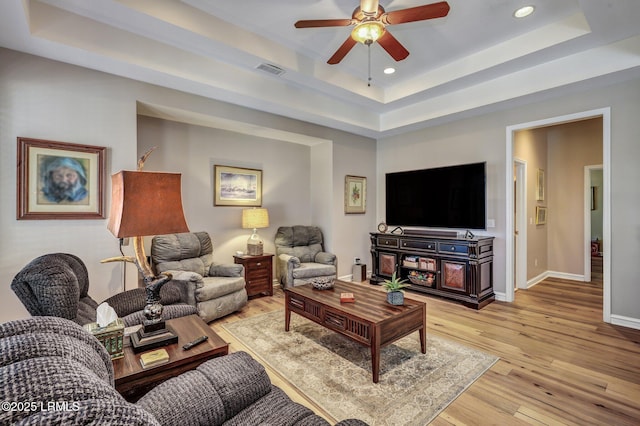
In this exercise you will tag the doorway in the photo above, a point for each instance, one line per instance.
(593, 225)
(513, 270)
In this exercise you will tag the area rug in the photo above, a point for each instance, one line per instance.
(335, 372)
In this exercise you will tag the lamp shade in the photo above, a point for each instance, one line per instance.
(255, 218)
(146, 203)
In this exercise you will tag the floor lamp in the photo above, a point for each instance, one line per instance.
(143, 204)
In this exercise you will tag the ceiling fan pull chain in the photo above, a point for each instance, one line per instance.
(369, 53)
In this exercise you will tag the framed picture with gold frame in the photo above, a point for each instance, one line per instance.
(355, 194)
(59, 180)
(541, 215)
(540, 185)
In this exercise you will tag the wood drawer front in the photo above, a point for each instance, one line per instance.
(388, 242)
(421, 245)
(448, 248)
(258, 265)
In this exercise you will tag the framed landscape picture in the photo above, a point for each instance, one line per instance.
(235, 186)
(541, 215)
(59, 180)
(355, 194)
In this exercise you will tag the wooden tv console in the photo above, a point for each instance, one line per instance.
(455, 268)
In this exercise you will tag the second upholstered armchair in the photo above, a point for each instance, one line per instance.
(301, 256)
(215, 290)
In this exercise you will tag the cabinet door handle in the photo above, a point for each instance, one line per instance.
(453, 249)
(258, 264)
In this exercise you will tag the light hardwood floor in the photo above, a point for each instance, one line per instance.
(559, 363)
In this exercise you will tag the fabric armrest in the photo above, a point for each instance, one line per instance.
(226, 270)
(326, 258)
(289, 260)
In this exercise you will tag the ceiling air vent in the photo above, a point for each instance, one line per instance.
(271, 69)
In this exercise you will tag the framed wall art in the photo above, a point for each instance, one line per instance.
(540, 185)
(60, 180)
(355, 194)
(541, 215)
(235, 186)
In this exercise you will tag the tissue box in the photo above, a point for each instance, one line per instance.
(110, 336)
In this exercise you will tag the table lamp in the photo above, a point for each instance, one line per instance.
(142, 204)
(255, 218)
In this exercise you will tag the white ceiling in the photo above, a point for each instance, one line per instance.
(476, 58)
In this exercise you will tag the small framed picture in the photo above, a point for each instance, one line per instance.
(355, 194)
(60, 180)
(541, 215)
(235, 186)
(540, 185)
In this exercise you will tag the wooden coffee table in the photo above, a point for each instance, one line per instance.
(132, 381)
(370, 321)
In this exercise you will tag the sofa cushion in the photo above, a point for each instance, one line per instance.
(215, 392)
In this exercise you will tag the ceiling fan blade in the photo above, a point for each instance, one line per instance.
(342, 51)
(315, 23)
(369, 6)
(393, 46)
(418, 13)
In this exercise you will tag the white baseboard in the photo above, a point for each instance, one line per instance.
(554, 274)
(625, 321)
(501, 296)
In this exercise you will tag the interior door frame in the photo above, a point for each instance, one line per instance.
(520, 223)
(605, 113)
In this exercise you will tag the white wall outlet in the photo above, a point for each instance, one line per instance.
(491, 223)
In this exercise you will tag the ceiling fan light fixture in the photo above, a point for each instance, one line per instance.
(367, 32)
(524, 11)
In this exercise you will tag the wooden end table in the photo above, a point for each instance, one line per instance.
(370, 320)
(132, 381)
(258, 274)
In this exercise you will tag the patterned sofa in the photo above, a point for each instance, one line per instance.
(53, 372)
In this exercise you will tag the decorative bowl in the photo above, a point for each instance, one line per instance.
(323, 283)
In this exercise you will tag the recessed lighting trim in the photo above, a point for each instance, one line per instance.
(389, 70)
(524, 11)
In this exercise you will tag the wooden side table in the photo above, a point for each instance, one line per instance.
(258, 274)
(132, 381)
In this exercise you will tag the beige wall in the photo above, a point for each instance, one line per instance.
(571, 147)
(531, 147)
(483, 139)
(49, 100)
(562, 151)
(45, 99)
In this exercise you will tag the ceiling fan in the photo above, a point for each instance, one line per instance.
(370, 21)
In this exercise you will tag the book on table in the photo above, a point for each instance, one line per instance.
(153, 358)
(347, 297)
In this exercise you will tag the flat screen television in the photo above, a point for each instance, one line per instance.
(443, 197)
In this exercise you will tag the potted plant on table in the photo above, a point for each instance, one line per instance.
(395, 292)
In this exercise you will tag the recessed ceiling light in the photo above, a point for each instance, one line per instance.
(524, 11)
(389, 70)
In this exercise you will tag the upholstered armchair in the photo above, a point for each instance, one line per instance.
(301, 256)
(215, 290)
(57, 284)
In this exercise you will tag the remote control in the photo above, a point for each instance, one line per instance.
(195, 342)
